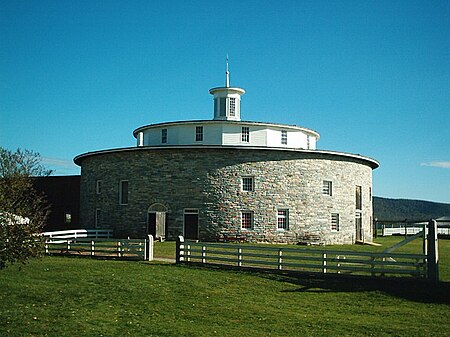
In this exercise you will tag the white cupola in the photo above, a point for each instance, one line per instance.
(227, 101)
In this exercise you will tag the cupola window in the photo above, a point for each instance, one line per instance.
(232, 106)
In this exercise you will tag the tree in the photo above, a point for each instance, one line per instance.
(22, 210)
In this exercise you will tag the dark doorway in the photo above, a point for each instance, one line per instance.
(191, 224)
(151, 225)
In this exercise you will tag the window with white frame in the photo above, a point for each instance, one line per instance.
(123, 192)
(245, 135)
(98, 187)
(247, 220)
(284, 137)
(232, 106)
(247, 184)
(335, 221)
(283, 219)
(164, 136)
(327, 187)
(199, 133)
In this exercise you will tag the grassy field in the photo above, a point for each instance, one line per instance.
(60, 296)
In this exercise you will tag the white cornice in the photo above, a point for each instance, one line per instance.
(366, 160)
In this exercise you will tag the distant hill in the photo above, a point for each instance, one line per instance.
(401, 209)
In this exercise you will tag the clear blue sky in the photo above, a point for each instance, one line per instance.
(372, 77)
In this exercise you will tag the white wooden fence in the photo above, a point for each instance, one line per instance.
(388, 230)
(97, 243)
(62, 236)
(303, 259)
(315, 260)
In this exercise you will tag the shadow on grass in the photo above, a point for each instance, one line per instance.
(411, 289)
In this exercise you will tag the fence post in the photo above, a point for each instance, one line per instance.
(324, 263)
(425, 237)
(239, 257)
(119, 249)
(280, 259)
(433, 254)
(179, 249)
(92, 248)
(149, 250)
(203, 254)
(188, 252)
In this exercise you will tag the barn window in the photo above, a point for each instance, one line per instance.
(247, 184)
(358, 197)
(98, 217)
(164, 136)
(284, 137)
(247, 220)
(67, 217)
(245, 136)
(123, 192)
(283, 219)
(98, 187)
(199, 133)
(334, 221)
(327, 187)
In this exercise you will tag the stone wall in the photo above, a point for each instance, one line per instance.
(209, 180)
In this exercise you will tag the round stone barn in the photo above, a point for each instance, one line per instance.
(228, 180)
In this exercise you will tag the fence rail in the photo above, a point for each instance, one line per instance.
(303, 259)
(77, 233)
(385, 263)
(401, 229)
(140, 249)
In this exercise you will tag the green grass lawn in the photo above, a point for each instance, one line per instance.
(62, 296)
